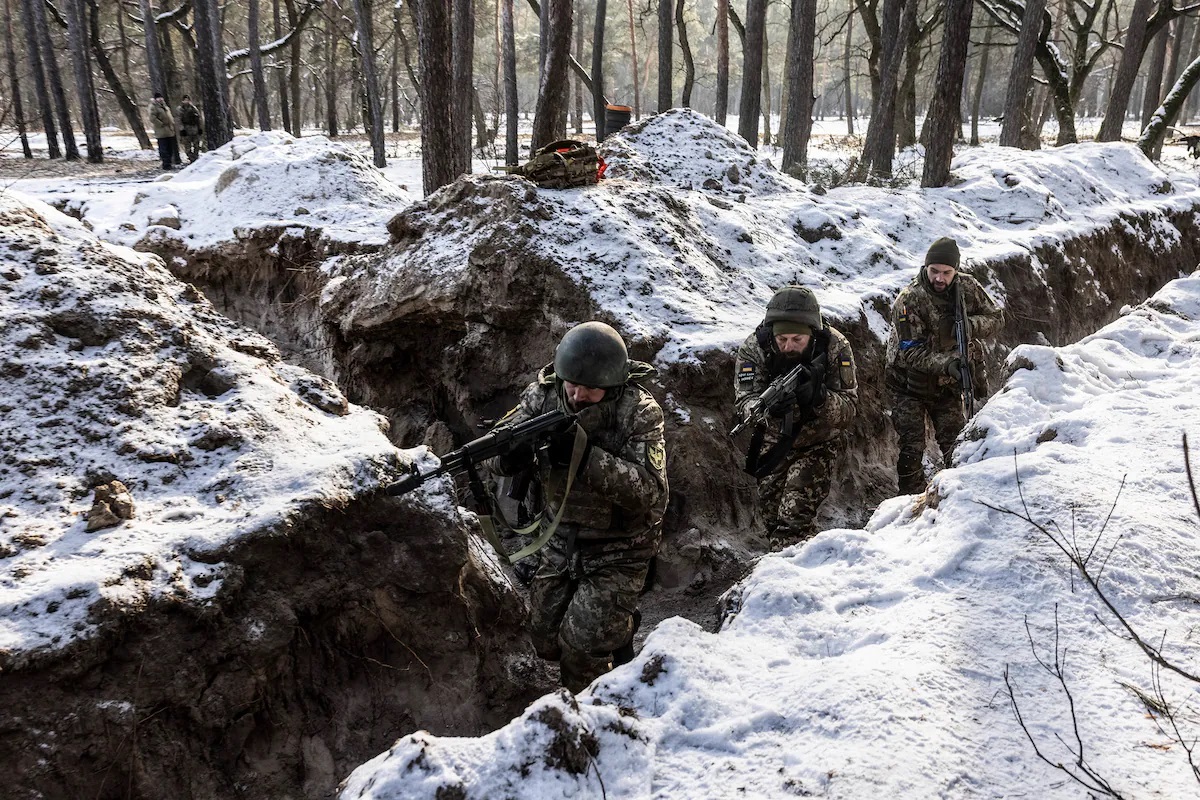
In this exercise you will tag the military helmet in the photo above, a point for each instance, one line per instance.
(795, 304)
(594, 355)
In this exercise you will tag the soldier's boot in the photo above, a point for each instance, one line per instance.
(911, 474)
(579, 669)
(624, 654)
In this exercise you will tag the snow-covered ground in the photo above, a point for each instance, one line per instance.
(113, 369)
(872, 663)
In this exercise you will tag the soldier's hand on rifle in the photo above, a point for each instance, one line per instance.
(562, 445)
(953, 366)
(518, 459)
(786, 401)
(813, 392)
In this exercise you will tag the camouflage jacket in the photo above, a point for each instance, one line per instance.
(921, 344)
(758, 362)
(617, 502)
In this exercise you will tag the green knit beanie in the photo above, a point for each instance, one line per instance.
(943, 251)
(784, 327)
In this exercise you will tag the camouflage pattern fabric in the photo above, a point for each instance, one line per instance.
(921, 348)
(908, 415)
(584, 592)
(580, 620)
(790, 496)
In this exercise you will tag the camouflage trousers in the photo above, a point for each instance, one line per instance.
(790, 496)
(583, 612)
(908, 416)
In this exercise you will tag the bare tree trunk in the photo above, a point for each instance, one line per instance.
(1193, 54)
(598, 104)
(849, 90)
(1152, 137)
(880, 145)
(285, 107)
(210, 68)
(549, 113)
(366, 47)
(11, 56)
(664, 54)
(481, 128)
(256, 70)
(1131, 59)
(906, 95)
(577, 85)
(158, 80)
(435, 38)
(752, 64)
(944, 110)
(1179, 30)
(294, 71)
(464, 73)
(33, 54)
(128, 107)
(331, 79)
(979, 81)
(766, 87)
(511, 108)
(637, 92)
(170, 70)
(689, 64)
(1152, 90)
(54, 80)
(85, 90)
(797, 123)
(722, 99)
(1020, 75)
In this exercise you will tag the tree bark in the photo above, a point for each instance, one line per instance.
(127, 105)
(598, 104)
(1020, 75)
(85, 90)
(849, 89)
(331, 78)
(33, 54)
(637, 92)
(257, 77)
(464, 72)
(1151, 139)
(577, 85)
(689, 64)
(210, 71)
(722, 99)
(880, 145)
(797, 122)
(1193, 53)
(550, 112)
(664, 54)
(10, 55)
(1152, 89)
(435, 39)
(366, 47)
(765, 102)
(511, 108)
(752, 65)
(54, 81)
(158, 80)
(979, 83)
(906, 94)
(1131, 59)
(281, 85)
(297, 104)
(944, 110)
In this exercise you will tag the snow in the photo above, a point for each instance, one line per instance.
(871, 662)
(114, 369)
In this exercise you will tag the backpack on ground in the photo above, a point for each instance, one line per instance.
(562, 165)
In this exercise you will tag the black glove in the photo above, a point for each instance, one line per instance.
(560, 447)
(952, 367)
(813, 392)
(518, 459)
(782, 404)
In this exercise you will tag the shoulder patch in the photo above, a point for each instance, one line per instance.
(656, 454)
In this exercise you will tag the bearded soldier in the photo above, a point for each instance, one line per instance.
(923, 361)
(609, 508)
(803, 434)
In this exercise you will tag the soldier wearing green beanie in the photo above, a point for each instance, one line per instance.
(922, 358)
(793, 332)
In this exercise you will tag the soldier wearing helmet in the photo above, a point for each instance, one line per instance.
(922, 358)
(584, 593)
(823, 406)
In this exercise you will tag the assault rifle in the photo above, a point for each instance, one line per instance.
(755, 412)
(962, 340)
(496, 443)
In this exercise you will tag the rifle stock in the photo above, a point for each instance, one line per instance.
(494, 443)
(962, 338)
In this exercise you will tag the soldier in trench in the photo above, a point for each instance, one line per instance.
(922, 372)
(793, 332)
(585, 589)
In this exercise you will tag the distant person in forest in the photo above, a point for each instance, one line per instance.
(584, 592)
(164, 130)
(802, 430)
(922, 371)
(190, 128)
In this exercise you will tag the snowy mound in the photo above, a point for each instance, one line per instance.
(685, 149)
(263, 180)
(874, 662)
(693, 268)
(114, 370)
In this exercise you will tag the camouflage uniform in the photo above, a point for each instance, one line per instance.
(790, 495)
(585, 590)
(920, 354)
